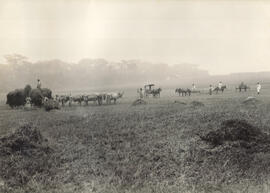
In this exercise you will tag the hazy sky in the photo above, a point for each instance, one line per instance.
(220, 36)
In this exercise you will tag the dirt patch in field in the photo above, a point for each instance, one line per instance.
(196, 104)
(250, 101)
(24, 154)
(139, 102)
(180, 103)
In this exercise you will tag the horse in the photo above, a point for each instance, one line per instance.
(156, 92)
(183, 92)
(147, 92)
(220, 89)
(241, 87)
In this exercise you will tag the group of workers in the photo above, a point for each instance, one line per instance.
(211, 89)
(220, 84)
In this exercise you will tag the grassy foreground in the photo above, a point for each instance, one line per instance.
(157, 147)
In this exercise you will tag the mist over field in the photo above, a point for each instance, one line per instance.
(93, 74)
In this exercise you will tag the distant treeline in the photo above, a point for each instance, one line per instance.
(56, 74)
(18, 71)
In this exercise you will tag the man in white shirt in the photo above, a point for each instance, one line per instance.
(258, 88)
(220, 85)
(38, 84)
(193, 87)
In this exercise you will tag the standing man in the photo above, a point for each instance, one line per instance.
(141, 93)
(210, 89)
(258, 88)
(38, 84)
(28, 103)
(193, 87)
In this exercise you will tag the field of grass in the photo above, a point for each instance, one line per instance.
(157, 147)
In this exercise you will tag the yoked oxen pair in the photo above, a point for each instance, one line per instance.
(97, 98)
(78, 99)
(63, 99)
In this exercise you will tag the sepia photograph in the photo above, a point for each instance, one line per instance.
(134, 96)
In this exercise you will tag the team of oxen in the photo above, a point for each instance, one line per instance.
(96, 98)
(42, 96)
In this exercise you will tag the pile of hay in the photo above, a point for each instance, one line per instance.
(51, 104)
(234, 152)
(196, 104)
(234, 130)
(139, 102)
(23, 155)
(250, 101)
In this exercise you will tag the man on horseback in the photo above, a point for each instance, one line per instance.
(220, 85)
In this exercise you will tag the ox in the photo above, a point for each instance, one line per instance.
(63, 99)
(96, 98)
(113, 97)
(78, 98)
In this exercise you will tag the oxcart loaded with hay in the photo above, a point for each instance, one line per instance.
(150, 90)
(28, 97)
